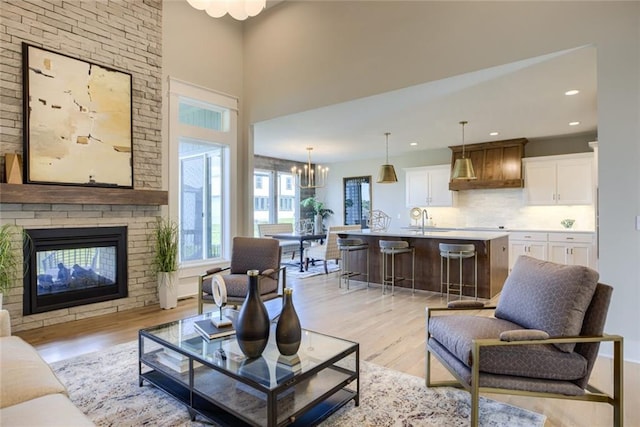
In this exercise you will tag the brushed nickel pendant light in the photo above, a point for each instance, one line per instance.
(463, 168)
(387, 174)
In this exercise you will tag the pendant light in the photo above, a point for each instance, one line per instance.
(463, 168)
(387, 174)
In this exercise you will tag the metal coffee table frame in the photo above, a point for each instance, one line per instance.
(214, 380)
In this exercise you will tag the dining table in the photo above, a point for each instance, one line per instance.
(301, 237)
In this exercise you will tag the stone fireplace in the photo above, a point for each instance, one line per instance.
(69, 267)
(132, 43)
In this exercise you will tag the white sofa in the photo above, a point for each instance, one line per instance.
(30, 393)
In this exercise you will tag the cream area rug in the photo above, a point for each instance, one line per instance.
(293, 270)
(104, 385)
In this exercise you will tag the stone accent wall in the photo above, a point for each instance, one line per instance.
(121, 34)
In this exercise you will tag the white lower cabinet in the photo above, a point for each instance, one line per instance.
(530, 244)
(573, 249)
(563, 248)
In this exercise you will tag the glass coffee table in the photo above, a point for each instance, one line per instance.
(216, 381)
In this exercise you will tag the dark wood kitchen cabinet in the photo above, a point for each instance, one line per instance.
(497, 164)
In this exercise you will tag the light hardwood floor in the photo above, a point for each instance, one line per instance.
(390, 330)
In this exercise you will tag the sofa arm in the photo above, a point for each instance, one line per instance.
(5, 323)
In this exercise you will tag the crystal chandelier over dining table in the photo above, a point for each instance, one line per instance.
(238, 9)
(308, 176)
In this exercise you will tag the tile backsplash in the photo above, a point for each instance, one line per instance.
(506, 207)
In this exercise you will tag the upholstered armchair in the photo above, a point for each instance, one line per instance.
(329, 248)
(247, 253)
(542, 340)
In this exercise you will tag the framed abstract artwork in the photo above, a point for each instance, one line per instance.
(77, 121)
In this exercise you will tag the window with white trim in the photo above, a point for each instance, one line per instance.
(202, 135)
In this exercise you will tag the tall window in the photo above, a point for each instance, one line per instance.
(201, 165)
(202, 134)
(274, 198)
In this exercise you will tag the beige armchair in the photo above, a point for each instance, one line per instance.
(286, 246)
(329, 248)
(247, 253)
(542, 341)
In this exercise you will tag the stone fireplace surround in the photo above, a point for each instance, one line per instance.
(139, 220)
(129, 38)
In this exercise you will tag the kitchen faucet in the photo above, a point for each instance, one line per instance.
(424, 214)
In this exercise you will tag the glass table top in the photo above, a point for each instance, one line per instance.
(270, 369)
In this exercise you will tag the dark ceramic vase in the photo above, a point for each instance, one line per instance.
(252, 324)
(288, 330)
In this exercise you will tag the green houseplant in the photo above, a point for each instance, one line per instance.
(318, 211)
(165, 261)
(11, 266)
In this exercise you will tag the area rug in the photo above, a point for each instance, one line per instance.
(104, 385)
(293, 271)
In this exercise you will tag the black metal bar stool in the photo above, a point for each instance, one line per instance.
(457, 252)
(389, 249)
(346, 246)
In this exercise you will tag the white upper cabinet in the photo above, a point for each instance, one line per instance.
(559, 180)
(428, 186)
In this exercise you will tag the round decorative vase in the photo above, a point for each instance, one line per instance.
(252, 323)
(288, 330)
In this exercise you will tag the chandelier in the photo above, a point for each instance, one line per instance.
(239, 9)
(309, 177)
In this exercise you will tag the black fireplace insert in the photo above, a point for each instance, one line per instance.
(68, 267)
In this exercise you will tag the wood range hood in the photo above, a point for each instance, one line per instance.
(497, 164)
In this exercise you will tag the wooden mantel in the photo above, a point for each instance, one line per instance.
(61, 194)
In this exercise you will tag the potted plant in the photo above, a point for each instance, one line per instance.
(165, 261)
(318, 211)
(11, 266)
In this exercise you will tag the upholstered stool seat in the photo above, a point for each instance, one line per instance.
(457, 252)
(389, 249)
(347, 245)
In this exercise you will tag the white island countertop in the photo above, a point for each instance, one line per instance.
(434, 234)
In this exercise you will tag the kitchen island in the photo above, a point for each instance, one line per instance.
(491, 247)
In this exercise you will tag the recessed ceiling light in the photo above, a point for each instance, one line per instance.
(493, 133)
(413, 144)
(574, 123)
(572, 92)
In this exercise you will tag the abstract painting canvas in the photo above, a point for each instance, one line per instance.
(77, 121)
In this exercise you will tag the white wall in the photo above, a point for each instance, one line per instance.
(303, 55)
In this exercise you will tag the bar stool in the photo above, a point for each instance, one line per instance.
(457, 252)
(392, 248)
(346, 246)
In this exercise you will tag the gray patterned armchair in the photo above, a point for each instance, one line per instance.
(542, 341)
(247, 253)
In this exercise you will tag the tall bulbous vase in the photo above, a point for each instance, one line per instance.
(252, 323)
(288, 330)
